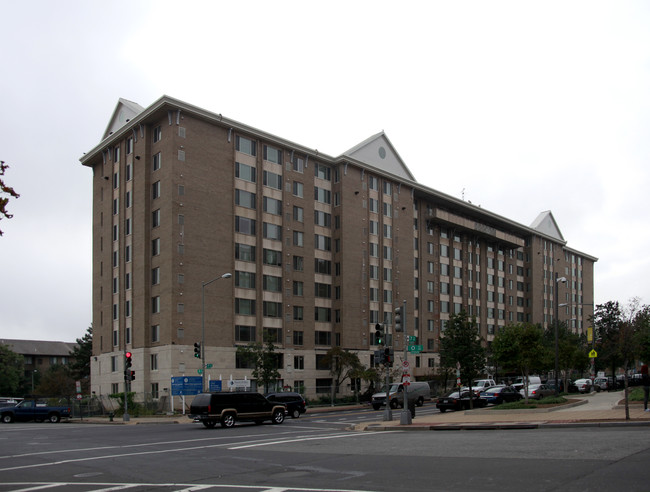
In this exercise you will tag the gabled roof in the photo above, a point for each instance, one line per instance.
(377, 151)
(123, 113)
(545, 223)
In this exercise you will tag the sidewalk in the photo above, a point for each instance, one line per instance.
(596, 409)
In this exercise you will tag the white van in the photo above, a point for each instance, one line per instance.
(418, 392)
(519, 382)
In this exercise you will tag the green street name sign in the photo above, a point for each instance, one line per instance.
(415, 348)
(412, 338)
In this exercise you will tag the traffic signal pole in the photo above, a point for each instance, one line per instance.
(405, 416)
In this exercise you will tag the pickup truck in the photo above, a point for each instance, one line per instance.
(37, 410)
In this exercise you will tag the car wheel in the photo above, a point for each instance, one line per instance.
(394, 404)
(209, 424)
(7, 418)
(443, 410)
(376, 407)
(420, 402)
(228, 420)
(54, 418)
(278, 417)
(295, 413)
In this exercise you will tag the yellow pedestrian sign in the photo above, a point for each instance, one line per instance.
(593, 354)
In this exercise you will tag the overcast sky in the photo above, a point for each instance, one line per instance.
(518, 106)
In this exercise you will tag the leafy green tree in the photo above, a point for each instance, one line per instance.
(265, 361)
(343, 365)
(12, 369)
(521, 347)
(5, 190)
(56, 381)
(573, 353)
(79, 367)
(462, 345)
(606, 320)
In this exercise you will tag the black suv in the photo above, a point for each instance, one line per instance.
(228, 408)
(295, 403)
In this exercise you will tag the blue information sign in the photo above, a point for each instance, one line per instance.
(186, 385)
(215, 385)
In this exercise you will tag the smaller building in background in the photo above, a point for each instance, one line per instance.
(40, 355)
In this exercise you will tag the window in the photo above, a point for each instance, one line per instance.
(444, 251)
(298, 288)
(245, 172)
(116, 206)
(274, 335)
(272, 257)
(298, 238)
(245, 225)
(157, 161)
(388, 253)
(244, 252)
(373, 205)
(373, 183)
(155, 246)
(127, 227)
(322, 242)
(245, 280)
(272, 155)
(388, 188)
(298, 313)
(388, 209)
(322, 266)
(272, 206)
(155, 276)
(298, 362)
(323, 314)
(322, 338)
(298, 164)
(272, 309)
(298, 263)
(323, 172)
(388, 231)
(245, 145)
(298, 214)
(155, 190)
(322, 290)
(245, 199)
(322, 219)
(373, 272)
(298, 189)
(157, 134)
(272, 283)
(155, 218)
(322, 195)
(272, 180)
(155, 304)
(272, 231)
(374, 250)
(127, 281)
(244, 333)
(129, 145)
(298, 337)
(244, 306)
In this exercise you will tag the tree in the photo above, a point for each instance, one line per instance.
(343, 365)
(79, 367)
(12, 370)
(572, 351)
(521, 347)
(5, 190)
(264, 360)
(462, 345)
(56, 381)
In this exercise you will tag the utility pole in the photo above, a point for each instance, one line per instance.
(400, 325)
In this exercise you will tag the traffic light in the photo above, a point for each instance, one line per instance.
(127, 361)
(398, 319)
(132, 375)
(379, 334)
(387, 358)
(197, 350)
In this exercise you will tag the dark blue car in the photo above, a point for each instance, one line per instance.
(500, 394)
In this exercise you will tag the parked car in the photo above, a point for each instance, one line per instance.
(295, 403)
(479, 385)
(584, 385)
(519, 382)
(460, 400)
(38, 410)
(499, 394)
(537, 391)
(228, 408)
(572, 387)
(417, 391)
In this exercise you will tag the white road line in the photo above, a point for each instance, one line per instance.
(314, 438)
(187, 487)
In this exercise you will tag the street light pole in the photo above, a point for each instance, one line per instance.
(203, 285)
(557, 355)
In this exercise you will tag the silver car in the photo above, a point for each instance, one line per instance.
(537, 391)
(583, 385)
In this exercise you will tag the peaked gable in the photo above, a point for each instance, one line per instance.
(378, 152)
(124, 111)
(545, 223)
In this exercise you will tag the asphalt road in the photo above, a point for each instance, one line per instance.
(316, 453)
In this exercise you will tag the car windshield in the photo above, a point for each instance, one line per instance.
(453, 394)
(394, 388)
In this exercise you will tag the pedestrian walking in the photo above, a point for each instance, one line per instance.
(645, 379)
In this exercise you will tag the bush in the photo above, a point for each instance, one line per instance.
(521, 404)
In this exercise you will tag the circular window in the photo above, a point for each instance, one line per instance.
(382, 152)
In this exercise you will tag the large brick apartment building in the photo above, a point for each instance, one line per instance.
(320, 249)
